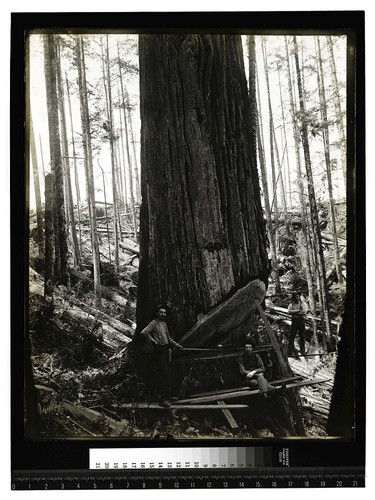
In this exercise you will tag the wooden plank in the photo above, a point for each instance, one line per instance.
(188, 354)
(228, 415)
(311, 355)
(153, 406)
(245, 393)
(308, 382)
(234, 389)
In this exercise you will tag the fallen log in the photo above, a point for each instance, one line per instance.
(92, 417)
(36, 287)
(100, 315)
(111, 336)
(317, 403)
(130, 246)
(300, 368)
(284, 312)
(107, 292)
(116, 428)
(329, 238)
(71, 421)
(102, 230)
(227, 320)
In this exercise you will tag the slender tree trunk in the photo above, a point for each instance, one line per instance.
(120, 158)
(256, 119)
(131, 187)
(113, 159)
(277, 181)
(123, 162)
(124, 171)
(323, 112)
(337, 102)
(76, 179)
(274, 201)
(42, 156)
(56, 161)
(288, 178)
(300, 187)
(202, 226)
(119, 180)
(280, 176)
(132, 138)
(32, 417)
(49, 235)
(129, 121)
(272, 228)
(38, 200)
(313, 206)
(118, 183)
(90, 187)
(66, 160)
(106, 215)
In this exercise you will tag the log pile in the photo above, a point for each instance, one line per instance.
(92, 422)
(316, 401)
(313, 369)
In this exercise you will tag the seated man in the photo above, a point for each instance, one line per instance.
(251, 368)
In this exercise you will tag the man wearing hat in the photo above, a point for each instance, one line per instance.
(157, 333)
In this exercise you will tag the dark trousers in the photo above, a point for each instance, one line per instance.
(258, 380)
(298, 326)
(162, 375)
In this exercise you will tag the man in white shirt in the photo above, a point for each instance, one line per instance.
(157, 333)
(298, 310)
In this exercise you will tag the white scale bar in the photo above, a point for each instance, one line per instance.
(167, 458)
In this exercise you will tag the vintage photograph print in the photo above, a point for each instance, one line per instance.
(191, 233)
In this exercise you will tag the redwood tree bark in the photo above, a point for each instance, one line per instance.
(257, 121)
(202, 226)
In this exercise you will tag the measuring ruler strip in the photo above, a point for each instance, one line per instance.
(266, 477)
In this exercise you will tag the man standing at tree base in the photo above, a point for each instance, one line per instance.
(157, 333)
(297, 309)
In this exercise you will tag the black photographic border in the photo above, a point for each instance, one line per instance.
(349, 397)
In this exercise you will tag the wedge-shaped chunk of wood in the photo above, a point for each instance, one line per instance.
(227, 320)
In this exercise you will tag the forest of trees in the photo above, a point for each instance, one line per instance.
(188, 170)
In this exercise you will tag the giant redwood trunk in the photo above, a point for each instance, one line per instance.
(202, 228)
(257, 119)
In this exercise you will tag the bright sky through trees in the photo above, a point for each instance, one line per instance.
(128, 43)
